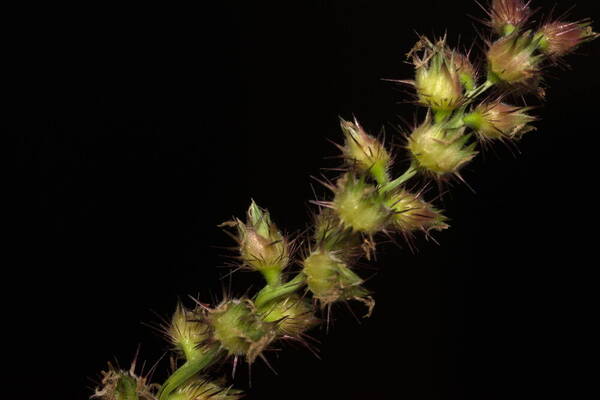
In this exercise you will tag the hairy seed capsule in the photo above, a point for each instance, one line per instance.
(467, 73)
(187, 332)
(508, 15)
(293, 315)
(439, 88)
(499, 121)
(438, 150)
(511, 60)
(330, 279)
(124, 385)
(262, 246)
(411, 213)
(359, 205)
(331, 234)
(239, 329)
(365, 152)
(560, 38)
(437, 76)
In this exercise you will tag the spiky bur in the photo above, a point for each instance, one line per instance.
(440, 150)
(506, 16)
(330, 279)
(124, 385)
(359, 205)
(439, 76)
(558, 38)
(497, 120)
(467, 73)
(411, 213)
(200, 388)
(365, 153)
(187, 332)
(239, 329)
(262, 246)
(331, 234)
(293, 315)
(513, 60)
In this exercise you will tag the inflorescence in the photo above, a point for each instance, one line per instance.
(466, 105)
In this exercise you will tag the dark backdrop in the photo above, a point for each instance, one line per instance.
(158, 122)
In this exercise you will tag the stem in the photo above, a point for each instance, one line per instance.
(508, 29)
(472, 94)
(269, 293)
(409, 173)
(126, 389)
(379, 173)
(272, 276)
(441, 115)
(186, 371)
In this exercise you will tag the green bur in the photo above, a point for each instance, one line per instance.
(330, 279)
(239, 329)
(438, 150)
(360, 205)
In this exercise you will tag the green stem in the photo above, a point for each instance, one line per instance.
(478, 91)
(272, 276)
(441, 115)
(379, 173)
(409, 173)
(186, 371)
(508, 29)
(126, 388)
(269, 293)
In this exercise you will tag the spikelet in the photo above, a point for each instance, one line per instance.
(440, 151)
(121, 385)
(411, 213)
(359, 205)
(513, 60)
(292, 314)
(506, 16)
(262, 246)
(497, 120)
(560, 38)
(437, 75)
(330, 279)
(364, 152)
(187, 332)
(239, 329)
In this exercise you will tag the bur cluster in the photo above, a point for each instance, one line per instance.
(379, 192)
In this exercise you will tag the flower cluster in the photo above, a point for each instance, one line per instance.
(464, 106)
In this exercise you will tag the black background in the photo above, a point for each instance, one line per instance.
(157, 122)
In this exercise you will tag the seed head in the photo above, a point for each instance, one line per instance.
(365, 152)
(330, 279)
(262, 246)
(437, 75)
(293, 315)
(187, 332)
(411, 213)
(359, 205)
(508, 15)
(239, 328)
(440, 151)
(560, 38)
(331, 234)
(512, 60)
(123, 385)
(467, 73)
(498, 120)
